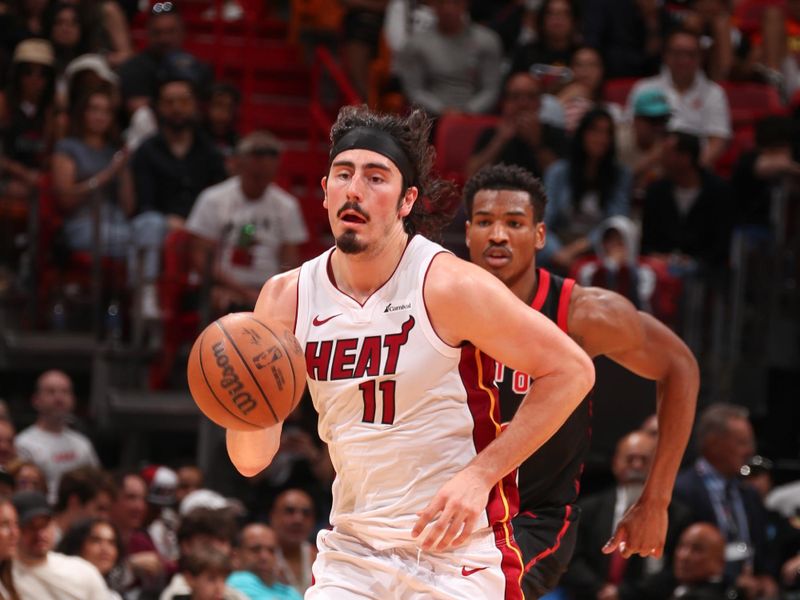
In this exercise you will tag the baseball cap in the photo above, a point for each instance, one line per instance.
(29, 505)
(161, 484)
(651, 102)
(91, 62)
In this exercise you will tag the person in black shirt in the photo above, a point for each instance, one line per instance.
(520, 138)
(171, 168)
(687, 212)
(139, 76)
(505, 206)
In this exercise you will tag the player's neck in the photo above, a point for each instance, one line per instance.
(360, 275)
(524, 287)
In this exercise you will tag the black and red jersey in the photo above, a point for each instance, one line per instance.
(551, 476)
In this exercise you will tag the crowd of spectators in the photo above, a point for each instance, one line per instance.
(148, 144)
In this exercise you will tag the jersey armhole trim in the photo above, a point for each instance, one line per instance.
(542, 289)
(433, 336)
(563, 304)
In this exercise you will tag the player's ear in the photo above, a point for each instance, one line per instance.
(467, 225)
(407, 203)
(324, 183)
(541, 234)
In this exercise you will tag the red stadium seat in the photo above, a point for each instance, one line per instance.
(750, 102)
(616, 90)
(455, 138)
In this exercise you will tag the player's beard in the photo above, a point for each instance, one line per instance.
(349, 243)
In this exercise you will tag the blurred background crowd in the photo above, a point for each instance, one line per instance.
(159, 161)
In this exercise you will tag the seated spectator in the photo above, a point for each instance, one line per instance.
(583, 190)
(520, 138)
(763, 176)
(779, 45)
(7, 450)
(292, 521)
(728, 51)
(641, 140)
(699, 105)
(616, 266)
(63, 27)
(96, 541)
(201, 528)
(49, 442)
(139, 75)
(362, 23)
(162, 517)
(9, 538)
(27, 476)
(190, 478)
(711, 489)
(686, 212)
(204, 571)
(29, 19)
(222, 120)
(593, 575)
(783, 539)
(40, 573)
(548, 56)
(90, 167)
(697, 572)
(585, 89)
(144, 568)
(453, 68)
(27, 124)
(171, 168)
(85, 492)
(628, 34)
(84, 75)
(251, 227)
(255, 575)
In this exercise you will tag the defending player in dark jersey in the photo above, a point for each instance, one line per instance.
(505, 206)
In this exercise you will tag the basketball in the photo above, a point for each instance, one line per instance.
(245, 372)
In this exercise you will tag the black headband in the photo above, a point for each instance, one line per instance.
(376, 140)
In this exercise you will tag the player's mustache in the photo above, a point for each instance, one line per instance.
(355, 207)
(501, 247)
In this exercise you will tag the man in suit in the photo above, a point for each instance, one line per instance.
(593, 575)
(712, 489)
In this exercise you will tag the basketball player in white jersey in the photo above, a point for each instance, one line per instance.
(391, 323)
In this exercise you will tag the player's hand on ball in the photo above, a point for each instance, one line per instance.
(451, 516)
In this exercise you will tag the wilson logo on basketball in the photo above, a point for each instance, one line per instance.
(231, 382)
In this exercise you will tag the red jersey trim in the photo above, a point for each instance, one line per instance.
(542, 289)
(477, 370)
(563, 304)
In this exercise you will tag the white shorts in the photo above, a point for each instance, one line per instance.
(348, 568)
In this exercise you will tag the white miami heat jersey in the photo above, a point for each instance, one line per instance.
(401, 410)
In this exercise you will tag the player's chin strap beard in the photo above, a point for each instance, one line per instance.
(377, 140)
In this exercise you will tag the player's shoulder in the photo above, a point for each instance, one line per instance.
(598, 317)
(449, 275)
(279, 286)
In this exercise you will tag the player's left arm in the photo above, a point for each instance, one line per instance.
(604, 322)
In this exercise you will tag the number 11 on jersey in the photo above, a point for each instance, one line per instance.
(386, 389)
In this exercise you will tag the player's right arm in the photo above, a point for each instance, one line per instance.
(252, 451)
